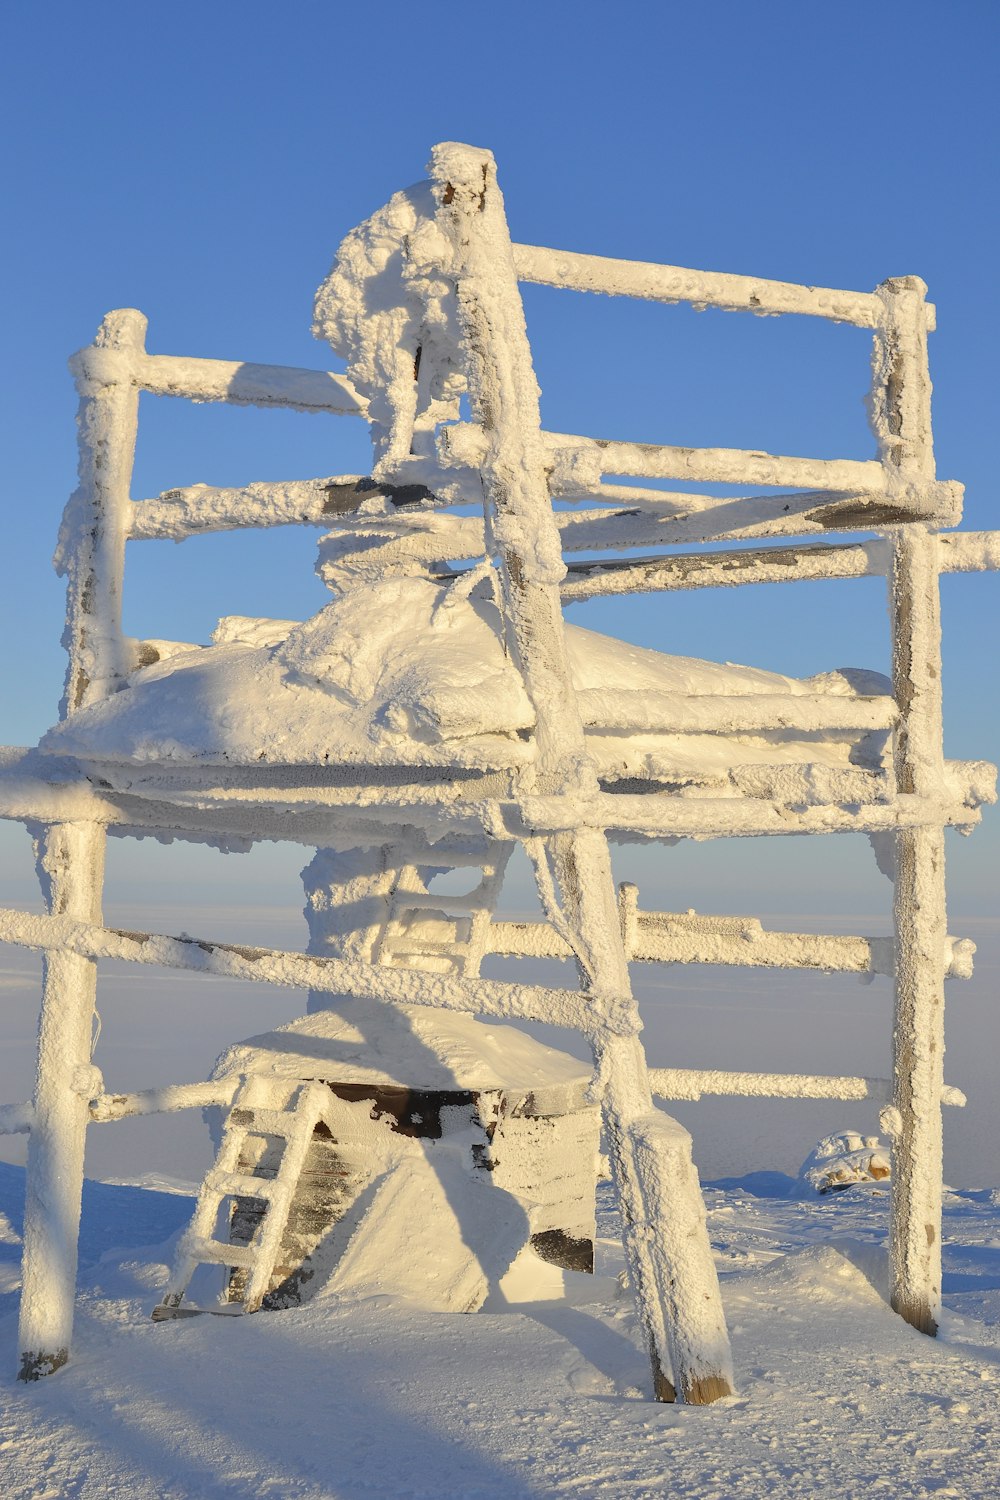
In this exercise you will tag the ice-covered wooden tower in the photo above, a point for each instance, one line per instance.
(438, 713)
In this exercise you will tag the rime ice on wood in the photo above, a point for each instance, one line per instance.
(437, 713)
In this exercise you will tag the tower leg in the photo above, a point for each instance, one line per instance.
(665, 1234)
(71, 869)
(918, 1077)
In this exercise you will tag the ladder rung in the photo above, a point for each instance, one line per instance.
(214, 1252)
(285, 1123)
(429, 901)
(242, 1184)
(425, 950)
(164, 1312)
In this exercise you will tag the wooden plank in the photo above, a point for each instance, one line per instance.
(679, 937)
(235, 381)
(660, 283)
(202, 508)
(697, 1083)
(392, 986)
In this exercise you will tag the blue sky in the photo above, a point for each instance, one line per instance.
(201, 162)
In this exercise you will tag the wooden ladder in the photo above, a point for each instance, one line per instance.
(457, 941)
(250, 1115)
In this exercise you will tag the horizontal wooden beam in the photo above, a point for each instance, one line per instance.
(691, 713)
(695, 1083)
(235, 381)
(340, 806)
(730, 942)
(586, 459)
(729, 569)
(958, 552)
(659, 283)
(667, 816)
(107, 1107)
(201, 508)
(589, 1014)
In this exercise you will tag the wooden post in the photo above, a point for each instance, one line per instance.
(71, 856)
(658, 1189)
(901, 417)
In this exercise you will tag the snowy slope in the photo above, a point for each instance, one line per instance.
(837, 1396)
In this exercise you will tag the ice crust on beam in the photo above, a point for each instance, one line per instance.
(393, 987)
(233, 381)
(658, 283)
(201, 508)
(695, 1083)
(678, 937)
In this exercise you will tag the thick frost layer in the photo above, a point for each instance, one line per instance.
(406, 671)
(387, 308)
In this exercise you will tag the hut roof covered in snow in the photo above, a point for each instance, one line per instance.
(413, 1047)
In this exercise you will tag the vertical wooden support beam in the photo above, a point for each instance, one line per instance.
(71, 856)
(665, 1235)
(71, 868)
(902, 421)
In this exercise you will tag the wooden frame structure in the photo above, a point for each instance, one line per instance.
(557, 805)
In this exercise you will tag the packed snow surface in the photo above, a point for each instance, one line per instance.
(406, 672)
(344, 1400)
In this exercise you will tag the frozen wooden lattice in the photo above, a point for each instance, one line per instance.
(506, 726)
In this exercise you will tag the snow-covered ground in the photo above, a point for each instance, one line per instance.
(836, 1395)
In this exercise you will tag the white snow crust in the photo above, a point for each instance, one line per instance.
(353, 1398)
(404, 671)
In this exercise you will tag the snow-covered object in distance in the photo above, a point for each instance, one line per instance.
(839, 1161)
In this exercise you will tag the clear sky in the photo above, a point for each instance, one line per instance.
(201, 162)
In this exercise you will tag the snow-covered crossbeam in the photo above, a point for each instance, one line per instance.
(658, 283)
(969, 552)
(802, 800)
(105, 1108)
(696, 1083)
(749, 817)
(18, 1119)
(691, 713)
(650, 523)
(586, 459)
(198, 508)
(733, 942)
(329, 975)
(234, 381)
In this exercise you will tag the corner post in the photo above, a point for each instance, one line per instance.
(70, 856)
(902, 422)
